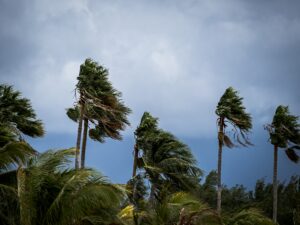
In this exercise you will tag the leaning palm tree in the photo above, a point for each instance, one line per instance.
(284, 133)
(166, 162)
(100, 104)
(230, 111)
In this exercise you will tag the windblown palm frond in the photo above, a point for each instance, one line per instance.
(49, 193)
(14, 153)
(249, 217)
(17, 114)
(285, 132)
(167, 162)
(231, 111)
(178, 208)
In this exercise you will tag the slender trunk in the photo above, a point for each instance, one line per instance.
(136, 152)
(79, 131)
(24, 207)
(219, 191)
(83, 147)
(275, 184)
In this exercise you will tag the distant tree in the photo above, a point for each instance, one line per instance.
(208, 190)
(230, 111)
(100, 104)
(284, 133)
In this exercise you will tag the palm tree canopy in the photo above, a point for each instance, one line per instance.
(285, 132)
(103, 105)
(16, 113)
(17, 117)
(230, 110)
(166, 160)
(231, 107)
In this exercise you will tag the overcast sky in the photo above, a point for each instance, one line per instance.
(173, 58)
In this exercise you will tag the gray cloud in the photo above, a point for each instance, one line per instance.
(172, 58)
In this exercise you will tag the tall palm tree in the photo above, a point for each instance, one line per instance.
(167, 163)
(284, 133)
(100, 104)
(230, 111)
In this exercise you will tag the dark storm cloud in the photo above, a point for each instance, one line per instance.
(179, 55)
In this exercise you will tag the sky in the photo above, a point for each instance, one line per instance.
(172, 58)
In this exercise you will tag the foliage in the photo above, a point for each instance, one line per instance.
(50, 193)
(178, 208)
(250, 217)
(17, 115)
(230, 110)
(17, 118)
(103, 105)
(285, 132)
(166, 162)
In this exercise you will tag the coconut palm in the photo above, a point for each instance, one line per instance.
(167, 163)
(48, 192)
(17, 118)
(231, 112)
(284, 133)
(100, 104)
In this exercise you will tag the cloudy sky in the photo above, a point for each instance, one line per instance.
(171, 58)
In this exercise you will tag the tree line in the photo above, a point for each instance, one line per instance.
(165, 188)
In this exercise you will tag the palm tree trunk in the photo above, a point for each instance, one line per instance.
(84, 140)
(219, 191)
(275, 184)
(24, 207)
(79, 131)
(136, 152)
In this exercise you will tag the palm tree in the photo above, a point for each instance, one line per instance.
(49, 193)
(17, 118)
(284, 133)
(100, 104)
(230, 111)
(167, 163)
(17, 115)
